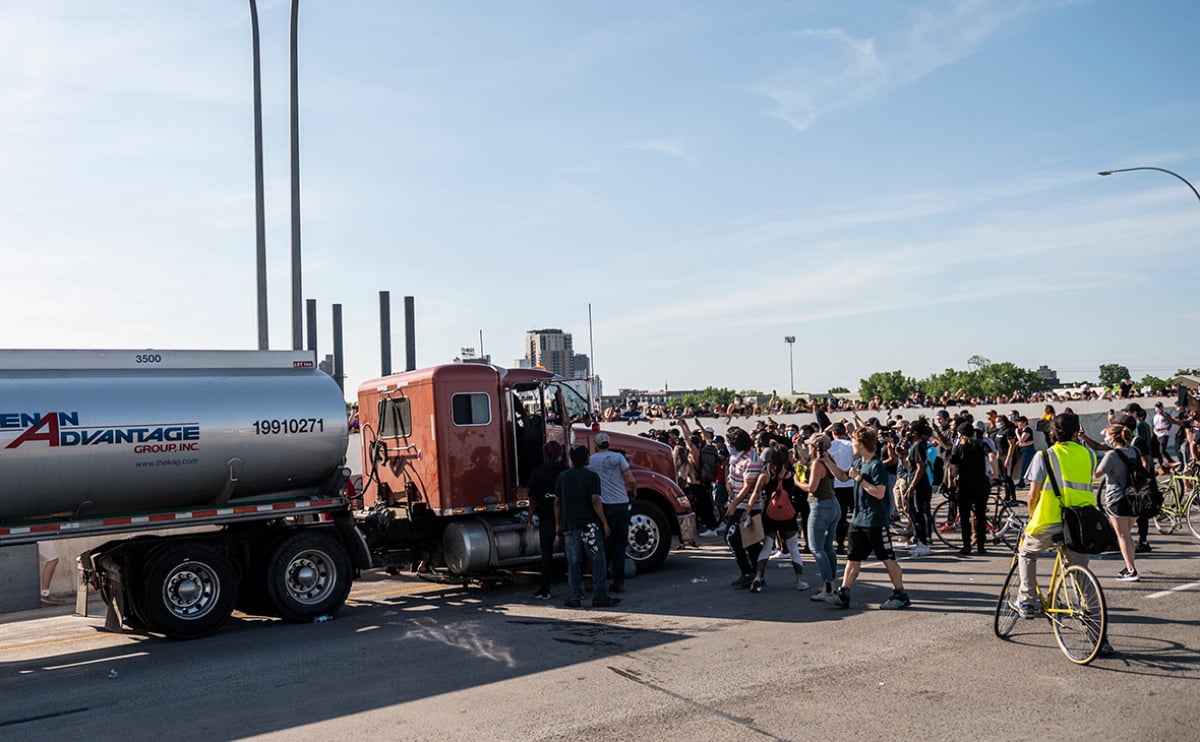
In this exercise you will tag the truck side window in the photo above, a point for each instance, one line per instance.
(395, 418)
(470, 409)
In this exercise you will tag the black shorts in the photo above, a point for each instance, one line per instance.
(1121, 508)
(867, 540)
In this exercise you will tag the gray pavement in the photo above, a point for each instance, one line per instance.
(683, 658)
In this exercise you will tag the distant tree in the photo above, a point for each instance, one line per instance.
(996, 379)
(1112, 373)
(711, 395)
(1156, 384)
(839, 390)
(890, 385)
(1188, 372)
(751, 393)
(951, 380)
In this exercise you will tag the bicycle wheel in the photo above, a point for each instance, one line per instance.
(943, 528)
(1167, 520)
(1192, 511)
(1006, 612)
(1078, 614)
(1010, 524)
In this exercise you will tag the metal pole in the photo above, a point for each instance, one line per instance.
(385, 333)
(592, 401)
(791, 342)
(1159, 169)
(338, 374)
(311, 305)
(295, 90)
(410, 336)
(259, 199)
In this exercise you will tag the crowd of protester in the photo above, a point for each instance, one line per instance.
(745, 407)
(829, 471)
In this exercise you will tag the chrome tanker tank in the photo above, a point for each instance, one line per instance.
(91, 433)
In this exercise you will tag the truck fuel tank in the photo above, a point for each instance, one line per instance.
(87, 433)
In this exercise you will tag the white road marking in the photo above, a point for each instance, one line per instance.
(1175, 589)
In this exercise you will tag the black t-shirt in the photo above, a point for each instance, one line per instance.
(971, 460)
(575, 488)
(541, 485)
(918, 463)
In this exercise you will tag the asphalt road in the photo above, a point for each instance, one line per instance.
(683, 658)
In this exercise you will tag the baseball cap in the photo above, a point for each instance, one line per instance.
(600, 439)
(965, 429)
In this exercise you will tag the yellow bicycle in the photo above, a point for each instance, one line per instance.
(1074, 606)
(1181, 503)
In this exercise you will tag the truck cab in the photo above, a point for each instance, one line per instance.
(447, 456)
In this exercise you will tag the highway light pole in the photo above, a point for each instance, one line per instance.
(1159, 169)
(791, 343)
(297, 308)
(260, 229)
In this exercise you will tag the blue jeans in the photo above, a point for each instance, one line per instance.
(618, 539)
(576, 553)
(1027, 455)
(822, 527)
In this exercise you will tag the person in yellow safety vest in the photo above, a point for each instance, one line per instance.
(1073, 466)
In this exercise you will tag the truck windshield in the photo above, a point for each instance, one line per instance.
(577, 406)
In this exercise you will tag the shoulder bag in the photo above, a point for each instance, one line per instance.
(1086, 529)
(751, 529)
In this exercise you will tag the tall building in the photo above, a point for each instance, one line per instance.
(552, 350)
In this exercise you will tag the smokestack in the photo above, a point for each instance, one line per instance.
(385, 333)
(338, 373)
(311, 306)
(410, 336)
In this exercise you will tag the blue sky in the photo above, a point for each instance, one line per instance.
(898, 185)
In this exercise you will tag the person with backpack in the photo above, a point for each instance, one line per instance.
(779, 514)
(1119, 468)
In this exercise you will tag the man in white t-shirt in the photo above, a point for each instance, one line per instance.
(617, 488)
(841, 450)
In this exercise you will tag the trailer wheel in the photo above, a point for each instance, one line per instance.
(187, 591)
(307, 575)
(649, 536)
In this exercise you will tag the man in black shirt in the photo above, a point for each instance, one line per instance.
(968, 470)
(581, 521)
(541, 507)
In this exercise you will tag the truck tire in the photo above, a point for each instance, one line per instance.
(186, 591)
(649, 536)
(307, 575)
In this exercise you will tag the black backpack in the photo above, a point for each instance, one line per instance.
(709, 462)
(1141, 490)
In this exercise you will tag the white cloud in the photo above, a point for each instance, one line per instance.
(833, 68)
(671, 146)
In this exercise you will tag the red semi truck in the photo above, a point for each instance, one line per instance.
(447, 454)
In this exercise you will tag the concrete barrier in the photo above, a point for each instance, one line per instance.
(19, 580)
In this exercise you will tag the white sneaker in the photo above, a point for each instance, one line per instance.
(708, 533)
(776, 554)
(920, 550)
(802, 585)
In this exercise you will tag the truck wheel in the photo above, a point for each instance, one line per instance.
(187, 591)
(307, 575)
(649, 536)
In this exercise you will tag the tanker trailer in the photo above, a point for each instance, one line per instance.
(251, 443)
